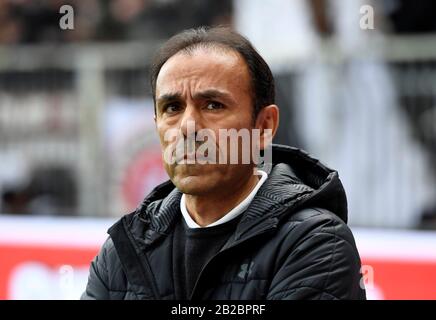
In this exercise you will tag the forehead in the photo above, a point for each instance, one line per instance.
(204, 68)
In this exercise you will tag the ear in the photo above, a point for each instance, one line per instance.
(267, 121)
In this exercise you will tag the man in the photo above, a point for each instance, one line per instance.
(224, 229)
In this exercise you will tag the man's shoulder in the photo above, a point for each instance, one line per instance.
(108, 249)
(314, 215)
(313, 221)
(317, 258)
(108, 252)
(129, 221)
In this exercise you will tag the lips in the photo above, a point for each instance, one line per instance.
(192, 158)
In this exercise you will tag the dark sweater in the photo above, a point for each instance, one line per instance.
(193, 248)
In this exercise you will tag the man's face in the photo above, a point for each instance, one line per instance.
(210, 87)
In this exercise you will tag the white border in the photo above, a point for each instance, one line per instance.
(54, 231)
(402, 245)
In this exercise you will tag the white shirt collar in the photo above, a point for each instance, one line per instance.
(236, 211)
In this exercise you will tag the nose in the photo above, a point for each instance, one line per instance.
(191, 121)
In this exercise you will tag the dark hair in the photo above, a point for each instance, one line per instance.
(262, 81)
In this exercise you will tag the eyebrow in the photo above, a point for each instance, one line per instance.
(213, 94)
(205, 95)
(169, 97)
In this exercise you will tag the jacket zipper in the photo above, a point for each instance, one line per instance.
(146, 268)
(149, 275)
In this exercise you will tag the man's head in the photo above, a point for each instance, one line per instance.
(215, 79)
(261, 79)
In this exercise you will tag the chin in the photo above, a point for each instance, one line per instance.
(194, 185)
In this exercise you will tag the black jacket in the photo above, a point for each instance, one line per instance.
(291, 243)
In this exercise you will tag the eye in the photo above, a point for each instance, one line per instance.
(171, 108)
(213, 105)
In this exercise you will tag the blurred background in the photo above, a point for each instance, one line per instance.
(356, 87)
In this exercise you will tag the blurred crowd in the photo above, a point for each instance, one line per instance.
(30, 21)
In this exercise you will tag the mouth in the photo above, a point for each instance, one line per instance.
(192, 158)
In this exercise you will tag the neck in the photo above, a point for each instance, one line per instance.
(206, 209)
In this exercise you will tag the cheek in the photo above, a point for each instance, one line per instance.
(243, 117)
(169, 169)
(233, 120)
(163, 130)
